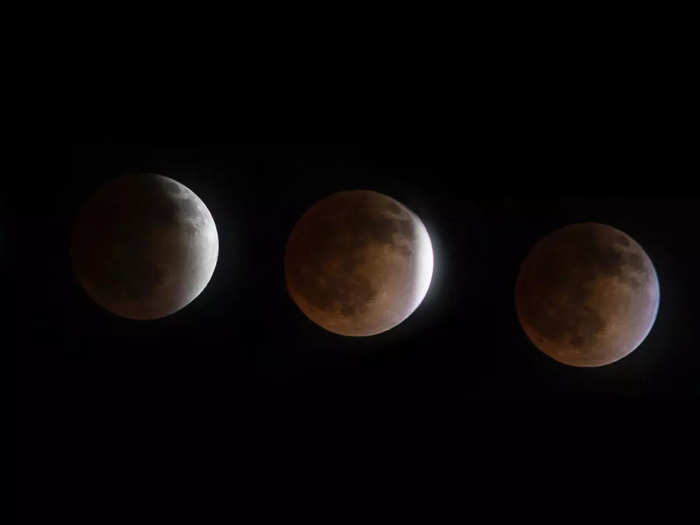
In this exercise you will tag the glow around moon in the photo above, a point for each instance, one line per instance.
(587, 295)
(358, 263)
(144, 246)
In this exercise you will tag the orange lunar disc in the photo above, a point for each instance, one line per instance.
(358, 263)
(587, 295)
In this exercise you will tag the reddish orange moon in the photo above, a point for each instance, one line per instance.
(587, 295)
(358, 263)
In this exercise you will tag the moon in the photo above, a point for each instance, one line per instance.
(358, 263)
(587, 295)
(144, 246)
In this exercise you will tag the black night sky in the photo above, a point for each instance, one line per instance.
(125, 413)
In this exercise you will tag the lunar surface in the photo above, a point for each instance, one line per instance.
(587, 295)
(358, 263)
(144, 246)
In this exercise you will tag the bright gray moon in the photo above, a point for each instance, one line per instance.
(144, 246)
(587, 295)
(358, 263)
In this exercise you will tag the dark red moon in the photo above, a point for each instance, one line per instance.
(144, 246)
(587, 295)
(358, 263)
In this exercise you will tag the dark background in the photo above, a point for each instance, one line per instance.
(239, 396)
